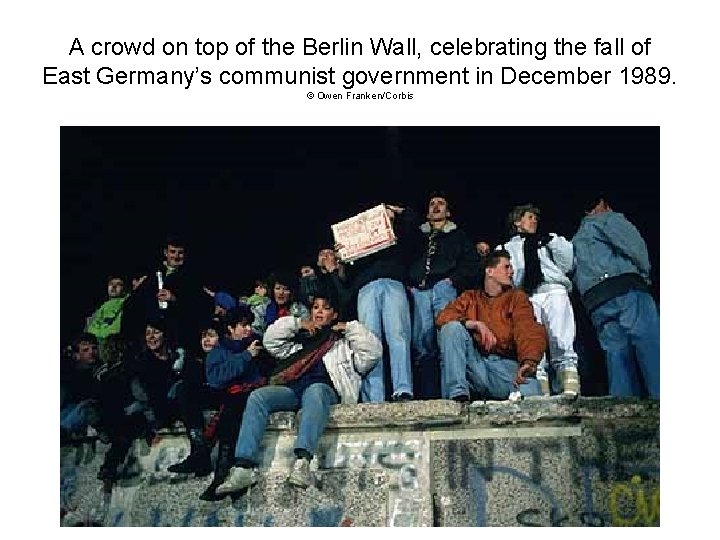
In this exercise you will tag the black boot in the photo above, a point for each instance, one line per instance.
(198, 461)
(119, 447)
(224, 463)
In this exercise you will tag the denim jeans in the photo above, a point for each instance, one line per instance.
(383, 309)
(427, 305)
(628, 328)
(466, 369)
(316, 401)
(76, 417)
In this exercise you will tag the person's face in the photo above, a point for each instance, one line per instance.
(115, 287)
(437, 209)
(483, 248)
(281, 294)
(527, 223)
(322, 313)
(220, 311)
(261, 290)
(327, 257)
(502, 272)
(240, 331)
(209, 339)
(154, 338)
(174, 256)
(86, 352)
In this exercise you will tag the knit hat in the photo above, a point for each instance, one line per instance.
(225, 300)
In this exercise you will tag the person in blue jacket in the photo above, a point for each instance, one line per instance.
(234, 367)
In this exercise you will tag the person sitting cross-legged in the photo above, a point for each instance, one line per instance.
(320, 363)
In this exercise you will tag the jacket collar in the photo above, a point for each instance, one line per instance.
(448, 227)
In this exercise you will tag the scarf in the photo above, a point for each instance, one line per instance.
(533, 274)
(299, 363)
(431, 249)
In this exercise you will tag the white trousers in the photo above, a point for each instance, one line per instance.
(554, 311)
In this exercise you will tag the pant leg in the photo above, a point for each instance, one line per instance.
(622, 377)
(443, 293)
(231, 417)
(460, 362)
(501, 375)
(423, 341)
(396, 323)
(261, 403)
(316, 402)
(369, 314)
(542, 367)
(76, 418)
(560, 326)
(186, 399)
(642, 322)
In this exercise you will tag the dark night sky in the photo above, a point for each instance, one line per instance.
(249, 200)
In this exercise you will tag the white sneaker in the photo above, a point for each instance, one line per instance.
(300, 475)
(570, 382)
(238, 479)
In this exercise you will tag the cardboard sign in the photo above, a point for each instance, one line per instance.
(366, 233)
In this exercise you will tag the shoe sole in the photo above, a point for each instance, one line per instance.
(224, 492)
(298, 483)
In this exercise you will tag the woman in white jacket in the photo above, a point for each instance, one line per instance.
(320, 363)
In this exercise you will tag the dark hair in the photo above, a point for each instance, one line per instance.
(241, 314)
(84, 337)
(283, 278)
(261, 283)
(592, 202)
(113, 349)
(441, 194)
(174, 239)
(494, 257)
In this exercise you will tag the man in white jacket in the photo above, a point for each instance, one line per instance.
(320, 363)
(541, 264)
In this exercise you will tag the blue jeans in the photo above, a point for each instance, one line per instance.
(466, 369)
(427, 305)
(383, 309)
(316, 401)
(628, 328)
(76, 417)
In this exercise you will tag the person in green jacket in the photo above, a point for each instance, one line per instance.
(107, 318)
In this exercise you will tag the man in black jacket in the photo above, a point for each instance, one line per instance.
(446, 265)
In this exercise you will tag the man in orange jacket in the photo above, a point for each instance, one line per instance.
(489, 339)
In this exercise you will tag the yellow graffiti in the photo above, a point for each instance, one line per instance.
(645, 514)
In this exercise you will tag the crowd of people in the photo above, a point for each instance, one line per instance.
(447, 317)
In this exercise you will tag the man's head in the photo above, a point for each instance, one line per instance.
(115, 287)
(498, 269)
(155, 337)
(324, 311)
(597, 205)
(524, 219)
(174, 252)
(438, 208)
(238, 322)
(85, 349)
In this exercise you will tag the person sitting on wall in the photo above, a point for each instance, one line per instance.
(234, 367)
(107, 318)
(320, 363)
(259, 295)
(489, 339)
(79, 390)
(280, 304)
(165, 384)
